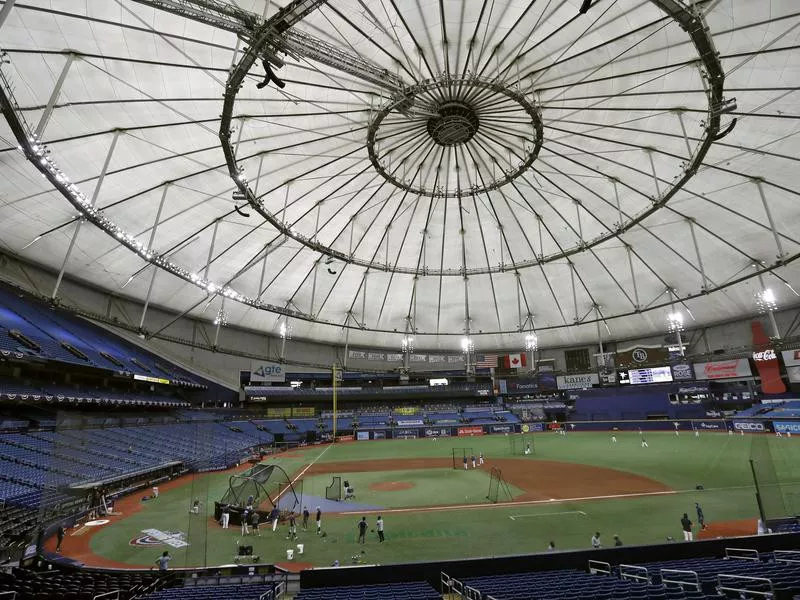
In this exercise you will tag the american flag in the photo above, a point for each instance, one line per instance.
(486, 361)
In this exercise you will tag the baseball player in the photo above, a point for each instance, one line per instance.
(465, 462)
(306, 514)
(644, 441)
(319, 520)
(474, 464)
(613, 437)
(292, 527)
(686, 525)
(480, 458)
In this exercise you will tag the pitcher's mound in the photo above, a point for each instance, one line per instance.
(391, 486)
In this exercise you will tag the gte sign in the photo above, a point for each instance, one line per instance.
(748, 426)
(768, 354)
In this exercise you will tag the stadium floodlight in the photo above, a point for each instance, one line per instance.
(221, 319)
(467, 345)
(675, 321)
(407, 343)
(766, 300)
(285, 330)
(531, 342)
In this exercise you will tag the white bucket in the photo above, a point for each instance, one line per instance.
(300, 548)
(290, 554)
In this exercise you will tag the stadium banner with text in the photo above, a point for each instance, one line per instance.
(279, 412)
(723, 369)
(579, 381)
(404, 433)
(501, 428)
(791, 360)
(378, 435)
(531, 427)
(362, 435)
(344, 438)
(470, 431)
(710, 425)
(682, 372)
(518, 386)
(264, 371)
(752, 426)
(437, 432)
(303, 411)
(787, 426)
(410, 422)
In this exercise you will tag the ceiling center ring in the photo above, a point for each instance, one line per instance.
(466, 115)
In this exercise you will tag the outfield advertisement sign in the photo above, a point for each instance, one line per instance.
(378, 435)
(501, 429)
(405, 433)
(572, 382)
(410, 422)
(751, 426)
(710, 425)
(264, 371)
(532, 427)
(787, 426)
(723, 369)
(470, 431)
(362, 435)
(437, 432)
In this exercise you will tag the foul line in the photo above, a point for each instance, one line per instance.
(303, 472)
(565, 512)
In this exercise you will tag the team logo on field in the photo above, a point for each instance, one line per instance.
(156, 537)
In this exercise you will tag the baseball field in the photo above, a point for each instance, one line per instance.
(568, 488)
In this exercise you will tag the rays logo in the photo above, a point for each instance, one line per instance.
(156, 537)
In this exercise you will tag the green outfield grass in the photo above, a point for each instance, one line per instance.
(717, 461)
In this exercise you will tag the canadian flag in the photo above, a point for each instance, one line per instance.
(515, 361)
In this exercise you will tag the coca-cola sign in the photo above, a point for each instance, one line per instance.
(768, 354)
(723, 369)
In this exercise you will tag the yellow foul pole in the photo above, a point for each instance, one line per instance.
(334, 402)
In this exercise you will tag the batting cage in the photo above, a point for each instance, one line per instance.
(520, 444)
(264, 487)
(460, 454)
(334, 490)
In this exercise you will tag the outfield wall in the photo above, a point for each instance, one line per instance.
(682, 425)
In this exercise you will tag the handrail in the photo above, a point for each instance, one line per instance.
(681, 583)
(779, 554)
(625, 573)
(112, 595)
(599, 567)
(471, 593)
(10, 595)
(446, 582)
(746, 554)
(744, 591)
(273, 594)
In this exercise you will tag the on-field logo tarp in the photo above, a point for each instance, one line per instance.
(156, 537)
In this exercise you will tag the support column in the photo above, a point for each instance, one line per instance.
(599, 334)
(633, 276)
(149, 247)
(697, 252)
(66, 259)
(48, 111)
(220, 316)
(574, 291)
(771, 221)
(6, 10)
(211, 250)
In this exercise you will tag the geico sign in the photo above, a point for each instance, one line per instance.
(749, 426)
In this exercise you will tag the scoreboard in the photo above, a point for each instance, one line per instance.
(650, 375)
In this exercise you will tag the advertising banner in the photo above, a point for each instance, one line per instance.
(437, 432)
(723, 369)
(572, 382)
(791, 359)
(710, 425)
(470, 431)
(344, 438)
(378, 435)
(501, 429)
(410, 423)
(404, 433)
(376, 356)
(357, 354)
(547, 381)
(531, 427)
(787, 426)
(362, 435)
(518, 386)
(682, 372)
(751, 426)
(766, 361)
(264, 371)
